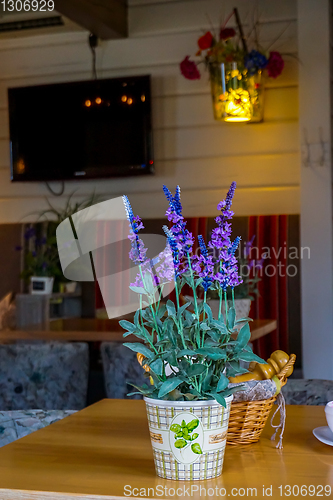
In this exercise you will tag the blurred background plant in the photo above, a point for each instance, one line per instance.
(39, 244)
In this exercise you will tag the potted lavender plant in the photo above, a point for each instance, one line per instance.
(188, 356)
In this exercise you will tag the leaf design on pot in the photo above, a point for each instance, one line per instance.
(195, 447)
(181, 443)
(193, 425)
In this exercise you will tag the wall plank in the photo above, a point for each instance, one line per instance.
(191, 149)
(248, 171)
(266, 201)
(269, 9)
(45, 59)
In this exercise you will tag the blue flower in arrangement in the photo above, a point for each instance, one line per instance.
(207, 270)
(255, 61)
(185, 349)
(174, 249)
(183, 237)
(138, 250)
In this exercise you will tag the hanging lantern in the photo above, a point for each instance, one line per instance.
(237, 96)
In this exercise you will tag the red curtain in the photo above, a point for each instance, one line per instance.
(271, 235)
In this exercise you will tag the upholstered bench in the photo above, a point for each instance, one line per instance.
(47, 376)
(120, 367)
(308, 392)
(17, 424)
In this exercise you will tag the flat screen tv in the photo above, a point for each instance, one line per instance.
(81, 130)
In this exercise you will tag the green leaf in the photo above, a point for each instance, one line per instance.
(171, 358)
(190, 317)
(157, 366)
(250, 356)
(232, 390)
(180, 443)
(214, 335)
(161, 311)
(214, 353)
(138, 289)
(198, 282)
(141, 348)
(127, 325)
(169, 385)
(196, 369)
(186, 352)
(137, 318)
(171, 308)
(148, 283)
(236, 369)
(185, 433)
(222, 383)
(204, 327)
(175, 428)
(209, 313)
(193, 424)
(183, 424)
(231, 317)
(194, 436)
(242, 320)
(182, 309)
(145, 390)
(219, 325)
(220, 399)
(244, 336)
(195, 447)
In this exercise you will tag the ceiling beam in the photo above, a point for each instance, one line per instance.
(107, 19)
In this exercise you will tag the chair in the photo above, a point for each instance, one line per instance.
(17, 424)
(51, 375)
(314, 392)
(120, 366)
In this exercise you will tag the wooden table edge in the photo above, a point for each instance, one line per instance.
(11, 494)
(262, 328)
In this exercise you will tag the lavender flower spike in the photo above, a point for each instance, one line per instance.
(230, 195)
(174, 249)
(138, 251)
(208, 266)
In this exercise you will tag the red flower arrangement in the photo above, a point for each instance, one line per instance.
(205, 41)
(275, 64)
(189, 69)
(226, 49)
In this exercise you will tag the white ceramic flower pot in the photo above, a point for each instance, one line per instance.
(242, 307)
(41, 285)
(193, 454)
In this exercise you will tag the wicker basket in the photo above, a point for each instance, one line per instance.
(248, 418)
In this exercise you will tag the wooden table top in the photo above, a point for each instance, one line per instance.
(95, 330)
(96, 452)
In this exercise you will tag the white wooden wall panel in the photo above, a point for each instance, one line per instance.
(191, 149)
(252, 171)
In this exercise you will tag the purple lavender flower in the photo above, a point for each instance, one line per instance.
(221, 235)
(174, 249)
(161, 269)
(183, 237)
(207, 271)
(138, 251)
(228, 272)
